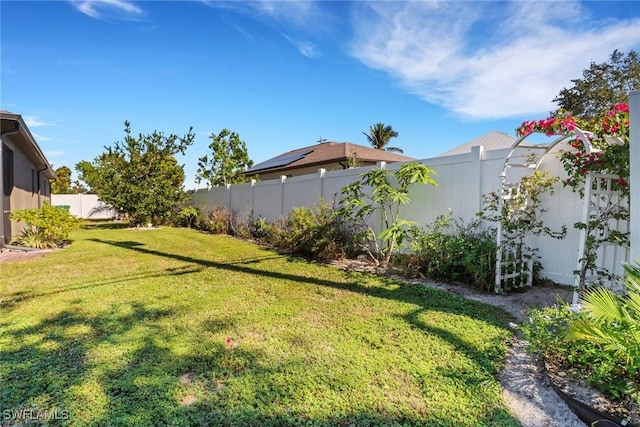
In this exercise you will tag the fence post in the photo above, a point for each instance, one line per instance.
(477, 153)
(321, 173)
(283, 179)
(253, 189)
(634, 178)
(382, 166)
(229, 197)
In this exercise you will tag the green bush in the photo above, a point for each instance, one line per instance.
(548, 334)
(316, 233)
(452, 251)
(267, 233)
(187, 215)
(217, 221)
(612, 322)
(47, 227)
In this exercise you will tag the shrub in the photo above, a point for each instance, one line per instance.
(267, 233)
(389, 190)
(240, 225)
(47, 227)
(548, 334)
(316, 233)
(217, 221)
(613, 322)
(451, 251)
(187, 215)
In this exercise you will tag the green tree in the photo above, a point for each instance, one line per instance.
(389, 190)
(379, 136)
(602, 86)
(88, 174)
(62, 183)
(140, 176)
(228, 161)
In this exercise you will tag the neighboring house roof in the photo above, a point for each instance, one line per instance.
(493, 140)
(13, 124)
(327, 152)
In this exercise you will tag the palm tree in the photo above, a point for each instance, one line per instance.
(379, 136)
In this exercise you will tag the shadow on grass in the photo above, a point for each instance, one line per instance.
(423, 296)
(12, 299)
(103, 225)
(139, 380)
(123, 369)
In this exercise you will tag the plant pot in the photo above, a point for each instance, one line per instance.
(589, 415)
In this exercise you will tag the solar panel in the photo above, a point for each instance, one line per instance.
(281, 160)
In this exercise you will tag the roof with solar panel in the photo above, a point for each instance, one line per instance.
(323, 153)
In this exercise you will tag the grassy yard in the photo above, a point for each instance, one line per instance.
(176, 327)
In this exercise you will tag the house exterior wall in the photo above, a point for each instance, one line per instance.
(25, 173)
(306, 170)
(31, 187)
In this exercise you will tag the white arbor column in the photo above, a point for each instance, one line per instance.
(634, 184)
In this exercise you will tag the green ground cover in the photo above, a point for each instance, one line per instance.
(177, 327)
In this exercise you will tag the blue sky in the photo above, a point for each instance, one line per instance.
(285, 73)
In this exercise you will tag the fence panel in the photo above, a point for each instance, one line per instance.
(86, 206)
(301, 191)
(267, 201)
(463, 180)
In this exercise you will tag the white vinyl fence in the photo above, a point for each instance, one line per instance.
(463, 180)
(86, 206)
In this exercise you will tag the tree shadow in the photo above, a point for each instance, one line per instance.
(52, 364)
(356, 282)
(48, 368)
(103, 225)
(11, 300)
(42, 363)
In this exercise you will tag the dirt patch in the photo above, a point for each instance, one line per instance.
(16, 255)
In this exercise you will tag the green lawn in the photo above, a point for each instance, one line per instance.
(176, 327)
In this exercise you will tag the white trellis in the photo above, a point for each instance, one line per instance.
(601, 198)
(514, 260)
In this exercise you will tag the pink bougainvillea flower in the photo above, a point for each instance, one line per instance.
(568, 123)
(621, 107)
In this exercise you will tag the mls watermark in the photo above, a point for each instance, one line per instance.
(34, 414)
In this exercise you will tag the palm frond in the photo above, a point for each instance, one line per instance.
(603, 305)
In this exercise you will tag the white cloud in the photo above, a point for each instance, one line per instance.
(483, 62)
(307, 49)
(294, 16)
(34, 121)
(297, 12)
(106, 9)
(41, 138)
(52, 154)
